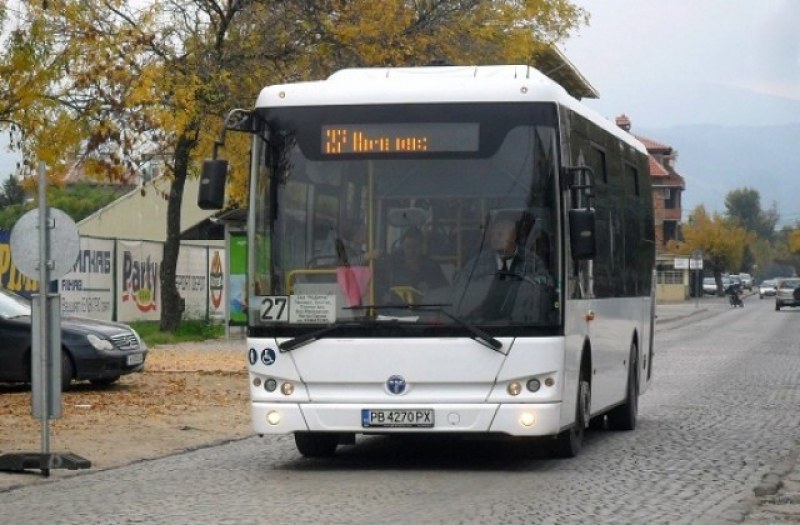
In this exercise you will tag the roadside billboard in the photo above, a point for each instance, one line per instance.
(88, 290)
(10, 277)
(237, 305)
(139, 291)
(191, 278)
(216, 283)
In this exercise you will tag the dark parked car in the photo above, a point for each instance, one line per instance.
(92, 350)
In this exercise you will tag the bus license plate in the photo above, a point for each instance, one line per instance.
(397, 417)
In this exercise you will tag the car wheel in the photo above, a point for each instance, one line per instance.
(104, 381)
(67, 370)
(624, 416)
(316, 444)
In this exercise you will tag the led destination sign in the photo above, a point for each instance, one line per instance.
(399, 138)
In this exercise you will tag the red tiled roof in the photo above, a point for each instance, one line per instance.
(656, 169)
(652, 144)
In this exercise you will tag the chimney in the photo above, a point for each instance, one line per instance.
(624, 122)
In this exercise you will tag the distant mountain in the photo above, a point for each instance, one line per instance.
(717, 159)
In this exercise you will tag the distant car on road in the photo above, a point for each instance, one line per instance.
(92, 350)
(787, 292)
(747, 281)
(710, 285)
(767, 288)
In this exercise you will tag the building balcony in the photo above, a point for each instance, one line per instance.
(673, 214)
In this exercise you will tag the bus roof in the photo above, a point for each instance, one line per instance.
(433, 84)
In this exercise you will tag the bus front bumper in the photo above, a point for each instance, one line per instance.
(542, 419)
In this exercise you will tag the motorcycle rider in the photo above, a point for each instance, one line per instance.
(734, 291)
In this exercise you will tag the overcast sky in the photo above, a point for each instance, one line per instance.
(675, 62)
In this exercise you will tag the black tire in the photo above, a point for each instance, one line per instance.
(104, 381)
(624, 416)
(316, 444)
(569, 442)
(67, 370)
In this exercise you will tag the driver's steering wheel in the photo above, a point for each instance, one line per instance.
(408, 294)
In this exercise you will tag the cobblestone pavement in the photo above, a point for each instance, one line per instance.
(719, 425)
(777, 495)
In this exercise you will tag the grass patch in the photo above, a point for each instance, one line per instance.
(188, 331)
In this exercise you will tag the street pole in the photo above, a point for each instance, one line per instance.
(44, 353)
(696, 265)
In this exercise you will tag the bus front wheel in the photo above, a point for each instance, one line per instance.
(568, 443)
(316, 444)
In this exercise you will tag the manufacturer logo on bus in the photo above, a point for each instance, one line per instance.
(396, 385)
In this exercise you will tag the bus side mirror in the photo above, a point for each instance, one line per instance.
(211, 195)
(582, 238)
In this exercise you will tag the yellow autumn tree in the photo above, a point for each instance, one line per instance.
(721, 240)
(793, 240)
(142, 79)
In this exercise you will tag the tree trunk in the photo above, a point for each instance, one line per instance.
(172, 304)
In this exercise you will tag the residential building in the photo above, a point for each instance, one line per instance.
(668, 187)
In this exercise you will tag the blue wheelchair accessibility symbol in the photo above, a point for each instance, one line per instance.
(268, 356)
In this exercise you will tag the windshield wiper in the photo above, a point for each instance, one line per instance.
(475, 333)
(300, 340)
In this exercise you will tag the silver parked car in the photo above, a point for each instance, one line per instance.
(787, 292)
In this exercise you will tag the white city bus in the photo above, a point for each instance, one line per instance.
(343, 341)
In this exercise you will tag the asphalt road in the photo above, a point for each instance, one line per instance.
(722, 413)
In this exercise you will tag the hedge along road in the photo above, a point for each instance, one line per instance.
(720, 415)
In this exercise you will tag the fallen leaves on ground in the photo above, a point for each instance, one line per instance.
(186, 397)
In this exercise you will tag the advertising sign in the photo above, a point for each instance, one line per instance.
(88, 290)
(237, 305)
(138, 284)
(191, 279)
(681, 263)
(216, 283)
(10, 276)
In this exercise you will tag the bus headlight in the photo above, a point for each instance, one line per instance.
(287, 389)
(527, 419)
(270, 385)
(514, 388)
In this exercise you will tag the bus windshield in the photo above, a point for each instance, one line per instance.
(416, 219)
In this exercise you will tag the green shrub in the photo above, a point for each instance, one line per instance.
(151, 332)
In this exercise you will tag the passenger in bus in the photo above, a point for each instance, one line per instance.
(352, 259)
(411, 273)
(352, 248)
